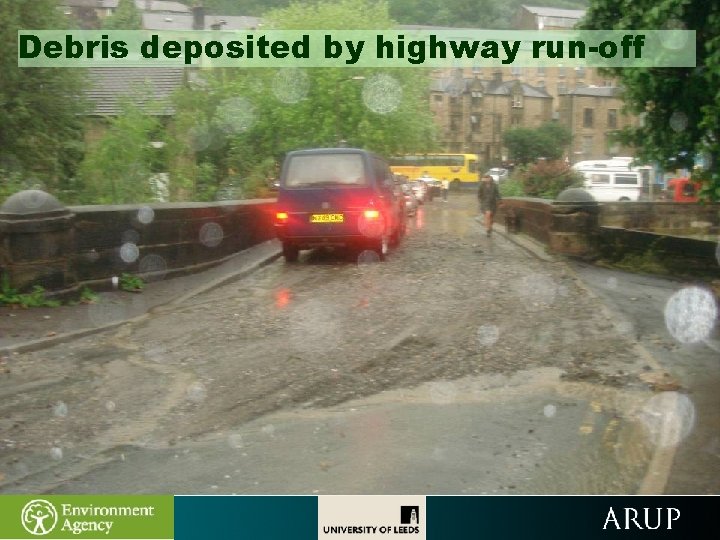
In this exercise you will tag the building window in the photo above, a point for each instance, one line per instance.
(516, 71)
(561, 72)
(588, 117)
(455, 122)
(476, 98)
(612, 118)
(541, 83)
(561, 88)
(438, 98)
(517, 100)
(587, 145)
(541, 71)
(580, 72)
(475, 123)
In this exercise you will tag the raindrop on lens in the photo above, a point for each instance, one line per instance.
(382, 93)
(56, 453)
(34, 198)
(153, 267)
(368, 256)
(211, 234)
(131, 236)
(156, 354)
(235, 115)
(549, 411)
(105, 312)
(129, 252)
(199, 137)
(196, 392)
(60, 409)
(145, 215)
(690, 314)
(678, 121)
(290, 85)
(235, 440)
(624, 327)
(674, 36)
(269, 430)
(487, 335)
(110, 406)
(669, 418)
(443, 392)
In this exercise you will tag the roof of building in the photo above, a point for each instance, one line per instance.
(555, 12)
(143, 5)
(109, 85)
(184, 21)
(457, 86)
(596, 91)
(161, 5)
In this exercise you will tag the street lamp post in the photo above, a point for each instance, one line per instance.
(338, 135)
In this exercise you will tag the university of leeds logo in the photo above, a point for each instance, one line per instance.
(39, 517)
(410, 515)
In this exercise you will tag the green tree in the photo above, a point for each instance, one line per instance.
(126, 17)
(526, 145)
(680, 107)
(546, 178)
(242, 122)
(40, 122)
(117, 168)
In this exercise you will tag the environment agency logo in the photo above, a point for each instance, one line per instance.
(39, 517)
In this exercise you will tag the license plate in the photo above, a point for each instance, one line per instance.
(327, 218)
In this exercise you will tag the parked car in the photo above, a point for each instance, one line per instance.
(420, 189)
(337, 197)
(434, 186)
(498, 174)
(411, 202)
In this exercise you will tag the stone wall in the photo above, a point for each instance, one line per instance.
(64, 248)
(682, 238)
(531, 216)
(682, 219)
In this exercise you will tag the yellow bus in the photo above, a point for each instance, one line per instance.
(460, 169)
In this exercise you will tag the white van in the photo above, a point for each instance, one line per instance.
(613, 180)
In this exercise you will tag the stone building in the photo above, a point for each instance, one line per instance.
(592, 114)
(472, 113)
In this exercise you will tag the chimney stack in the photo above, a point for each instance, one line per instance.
(198, 18)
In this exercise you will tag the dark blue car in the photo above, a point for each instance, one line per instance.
(338, 197)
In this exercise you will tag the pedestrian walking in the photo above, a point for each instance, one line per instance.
(488, 195)
(445, 188)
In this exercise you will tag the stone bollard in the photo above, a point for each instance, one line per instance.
(37, 242)
(574, 223)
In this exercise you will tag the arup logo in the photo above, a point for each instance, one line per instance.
(39, 517)
(410, 515)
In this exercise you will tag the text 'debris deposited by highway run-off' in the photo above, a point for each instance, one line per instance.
(357, 48)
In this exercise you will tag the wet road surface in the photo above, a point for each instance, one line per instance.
(460, 365)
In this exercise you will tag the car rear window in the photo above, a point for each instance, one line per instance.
(326, 169)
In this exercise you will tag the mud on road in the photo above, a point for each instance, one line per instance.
(448, 303)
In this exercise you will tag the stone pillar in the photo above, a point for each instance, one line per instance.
(574, 223)
(37, 242)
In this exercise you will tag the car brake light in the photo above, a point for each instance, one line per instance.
(372, 214)
(281, 217)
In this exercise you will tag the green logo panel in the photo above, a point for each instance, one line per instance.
(87, 516)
